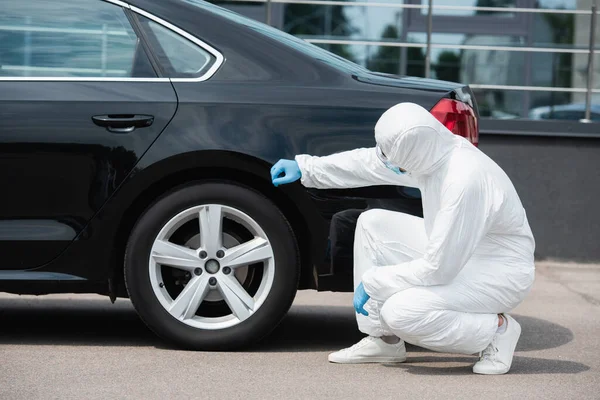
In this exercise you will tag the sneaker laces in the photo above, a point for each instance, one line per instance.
(490, 352)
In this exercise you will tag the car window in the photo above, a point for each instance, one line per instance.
(69, 38)
(545, 115)
(575, 115)
(178, 56)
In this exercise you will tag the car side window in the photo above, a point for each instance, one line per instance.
(545, 115)
(177, 56)
(569, 115)
(69, 38)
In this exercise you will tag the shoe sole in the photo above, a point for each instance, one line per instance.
(514, 346)
(497, 372)
(368, 360)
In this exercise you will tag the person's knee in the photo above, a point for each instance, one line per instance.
(399, 312)
(370, 219)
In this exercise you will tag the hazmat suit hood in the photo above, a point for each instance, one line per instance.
(413, 139)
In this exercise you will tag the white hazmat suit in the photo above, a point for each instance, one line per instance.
(441, 281)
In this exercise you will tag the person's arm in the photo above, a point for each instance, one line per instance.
(350, 169)
(463, 220)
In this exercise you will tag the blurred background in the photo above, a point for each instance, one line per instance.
(523, 58)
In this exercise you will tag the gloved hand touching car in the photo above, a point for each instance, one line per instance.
(360, 299)
(285, 171)
(288, 171)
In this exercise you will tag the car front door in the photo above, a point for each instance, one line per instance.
(81, 100)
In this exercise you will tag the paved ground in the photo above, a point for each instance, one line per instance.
(82, 347)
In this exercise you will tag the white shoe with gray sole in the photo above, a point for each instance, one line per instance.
(497, 358)
(370, 350)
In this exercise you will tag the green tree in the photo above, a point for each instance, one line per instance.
(387, 59)
(447, 67)
(309, 19)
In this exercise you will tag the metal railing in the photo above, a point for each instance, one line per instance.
(428, 45)
(590, 71)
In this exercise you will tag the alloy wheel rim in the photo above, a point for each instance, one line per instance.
(214, 269)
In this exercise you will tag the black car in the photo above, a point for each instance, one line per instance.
(136, 141)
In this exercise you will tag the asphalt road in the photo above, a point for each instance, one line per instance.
(83, 347)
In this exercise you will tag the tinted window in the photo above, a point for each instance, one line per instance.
(179, 57)
(68, 38)
(572, 115)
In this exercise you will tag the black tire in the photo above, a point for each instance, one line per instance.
(275, 306)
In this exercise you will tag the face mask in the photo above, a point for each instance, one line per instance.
(383, 158)
(396, 169)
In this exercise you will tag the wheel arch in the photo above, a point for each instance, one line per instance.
(206, 166)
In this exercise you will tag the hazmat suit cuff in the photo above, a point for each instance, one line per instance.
(372, 288)
(380, 283)
(304, 161)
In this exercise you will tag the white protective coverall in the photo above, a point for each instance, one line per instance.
(437, 282)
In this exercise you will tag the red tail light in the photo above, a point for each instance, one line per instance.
(458, 117)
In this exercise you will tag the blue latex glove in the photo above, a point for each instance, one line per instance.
(360, 299)
(285, 171)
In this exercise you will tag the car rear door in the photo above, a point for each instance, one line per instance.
(80, 103)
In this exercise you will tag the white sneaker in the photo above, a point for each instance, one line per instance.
(370, 350)
(497, 358)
